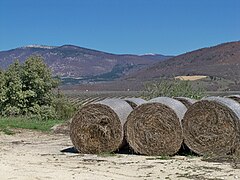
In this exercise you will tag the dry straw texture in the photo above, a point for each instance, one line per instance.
(186, 101)
(235, 97)
(134, 102)
(211, 126)
(98, 127)
(154, 128)
(190, 78)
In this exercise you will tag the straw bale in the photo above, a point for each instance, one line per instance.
(212, 126)
(234, 97)
(134, 102)
(154, 128)
(186, 101)
(98, 127)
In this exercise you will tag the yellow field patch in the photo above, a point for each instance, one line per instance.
(190, 78)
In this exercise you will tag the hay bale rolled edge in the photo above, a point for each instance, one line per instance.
(186, 101)
(212, 126)
(134, 102)
(119, 106)
(98, 127)
(178, 107)
(154, 128)
(234, 97)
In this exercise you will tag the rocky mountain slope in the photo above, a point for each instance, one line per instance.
(222, 61)
(77, 62)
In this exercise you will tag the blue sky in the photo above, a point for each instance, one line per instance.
(120, 26)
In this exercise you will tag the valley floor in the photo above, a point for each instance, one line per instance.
(35, 155)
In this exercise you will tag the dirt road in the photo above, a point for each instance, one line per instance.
(35, 155)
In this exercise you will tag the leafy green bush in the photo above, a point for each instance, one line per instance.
(11, 111)
(43, 112)
(172, 88)
(27, 89)
(64, 109)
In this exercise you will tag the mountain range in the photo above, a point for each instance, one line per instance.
(222, 61)
(220, 64)
(69, 61)
(81, 65)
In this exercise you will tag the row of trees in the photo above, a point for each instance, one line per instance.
(26, 89)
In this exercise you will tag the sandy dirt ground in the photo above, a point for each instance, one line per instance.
(35, 155)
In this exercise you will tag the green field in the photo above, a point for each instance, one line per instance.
(6, 124)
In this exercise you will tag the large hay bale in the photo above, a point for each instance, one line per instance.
(234, 97)
(186, 101)
(211, 126)
(134, 102)
(154, 128)
(98, 127)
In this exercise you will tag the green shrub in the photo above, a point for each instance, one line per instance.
(172, 88)
(27, 90)
(42, 112)
(11, 111)
(64, 109)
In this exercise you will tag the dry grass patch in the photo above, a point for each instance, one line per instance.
(190, 78)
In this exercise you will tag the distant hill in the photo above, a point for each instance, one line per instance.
(222, 61)
(71, 61)
(220, 64)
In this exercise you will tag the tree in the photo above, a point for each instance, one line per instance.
(2, 89)
(29, 89)
(13, 90)
(38, 82)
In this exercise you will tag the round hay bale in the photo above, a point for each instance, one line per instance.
(134, 102)
(234, 97)
(154, 128)
(98, 127)
(186, 101)
(211, 126)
